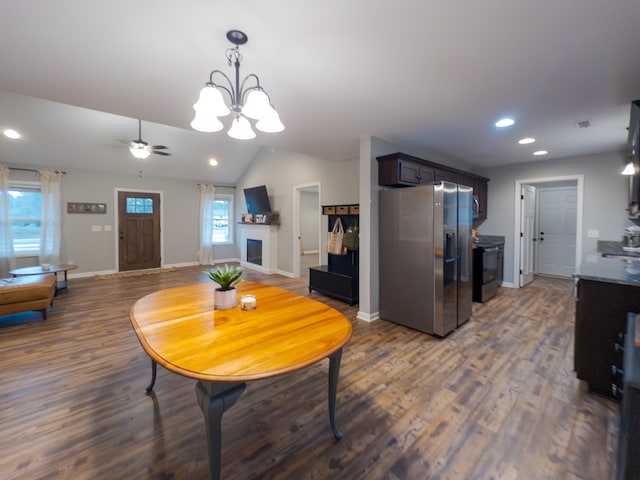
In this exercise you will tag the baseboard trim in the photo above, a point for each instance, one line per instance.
(285, 274)
(368, 317)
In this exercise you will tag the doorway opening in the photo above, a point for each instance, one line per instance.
(548, 222)
(306, 228)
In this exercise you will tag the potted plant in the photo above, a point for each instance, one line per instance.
(273, 217)
(226, 277)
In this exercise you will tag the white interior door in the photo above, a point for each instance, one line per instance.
(556, 231)
(527, 233)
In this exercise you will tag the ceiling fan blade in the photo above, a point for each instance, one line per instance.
(160, 153)
(159, 147)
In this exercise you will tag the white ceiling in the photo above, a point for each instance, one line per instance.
(430, 75)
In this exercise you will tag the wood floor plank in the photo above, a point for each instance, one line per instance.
(496, 399)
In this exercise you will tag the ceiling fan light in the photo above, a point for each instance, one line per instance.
(139, 151)
(257, 105)
(211, 102)
(206, 122)
(629, 169)
(241, 129)
(270, 123)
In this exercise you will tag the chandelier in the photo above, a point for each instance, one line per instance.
(247, 99)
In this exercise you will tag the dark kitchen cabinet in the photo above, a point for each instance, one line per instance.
(402, 170)
(601, 316)
(442, 175)
(628, 458)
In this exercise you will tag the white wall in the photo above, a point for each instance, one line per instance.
(280, 171)
(605, 199)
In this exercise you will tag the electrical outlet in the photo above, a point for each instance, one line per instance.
(96, 228)
(107, 228)
(593, 233)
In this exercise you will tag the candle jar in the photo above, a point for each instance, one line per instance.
(248, 301)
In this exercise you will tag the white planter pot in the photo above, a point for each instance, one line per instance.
(224, 299)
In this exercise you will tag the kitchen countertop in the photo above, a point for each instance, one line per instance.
(609, 270)
(486, 240)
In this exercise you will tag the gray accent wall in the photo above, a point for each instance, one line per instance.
(95, 251)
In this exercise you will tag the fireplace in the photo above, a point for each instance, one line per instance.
(259, 247)
(254, 251)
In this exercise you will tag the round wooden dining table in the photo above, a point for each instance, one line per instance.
(223, 349)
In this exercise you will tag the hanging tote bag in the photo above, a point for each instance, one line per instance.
(350, 238)
(334, 239)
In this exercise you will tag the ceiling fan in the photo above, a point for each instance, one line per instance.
(141, 149)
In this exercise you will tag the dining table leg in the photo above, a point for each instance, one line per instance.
(214, 399)
(334, 372)
(154, 369)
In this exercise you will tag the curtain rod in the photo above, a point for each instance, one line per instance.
(32, 170)
(222, 186)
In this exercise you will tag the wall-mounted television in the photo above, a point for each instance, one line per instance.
(257, 200)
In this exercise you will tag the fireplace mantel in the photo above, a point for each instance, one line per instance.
(268, 235)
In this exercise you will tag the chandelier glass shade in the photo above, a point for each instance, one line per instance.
(248, 100)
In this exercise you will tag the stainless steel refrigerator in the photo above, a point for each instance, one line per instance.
(425, 256)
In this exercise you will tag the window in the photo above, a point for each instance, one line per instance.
(138, 205)
(222, 215)
(25, 209)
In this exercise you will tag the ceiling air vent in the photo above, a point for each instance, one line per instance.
(582, 124)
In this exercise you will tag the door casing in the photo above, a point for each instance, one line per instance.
(579, 179)
(315, 187)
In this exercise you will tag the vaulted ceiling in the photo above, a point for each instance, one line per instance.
(434, 75)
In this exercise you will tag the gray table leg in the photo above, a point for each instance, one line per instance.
(334, 371)
(214, 399)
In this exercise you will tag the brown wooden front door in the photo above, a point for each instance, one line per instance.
(139, 230)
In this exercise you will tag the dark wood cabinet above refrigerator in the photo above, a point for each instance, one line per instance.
(402, 170)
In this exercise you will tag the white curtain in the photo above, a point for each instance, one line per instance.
(51, 226)
(207, 196)
(7, 258)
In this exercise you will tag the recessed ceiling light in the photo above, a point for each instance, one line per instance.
(540, 152)
(213, 162)
(525, 141)
(11, 133)
(505, 122)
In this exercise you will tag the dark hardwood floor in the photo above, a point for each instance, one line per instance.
(496, 399)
